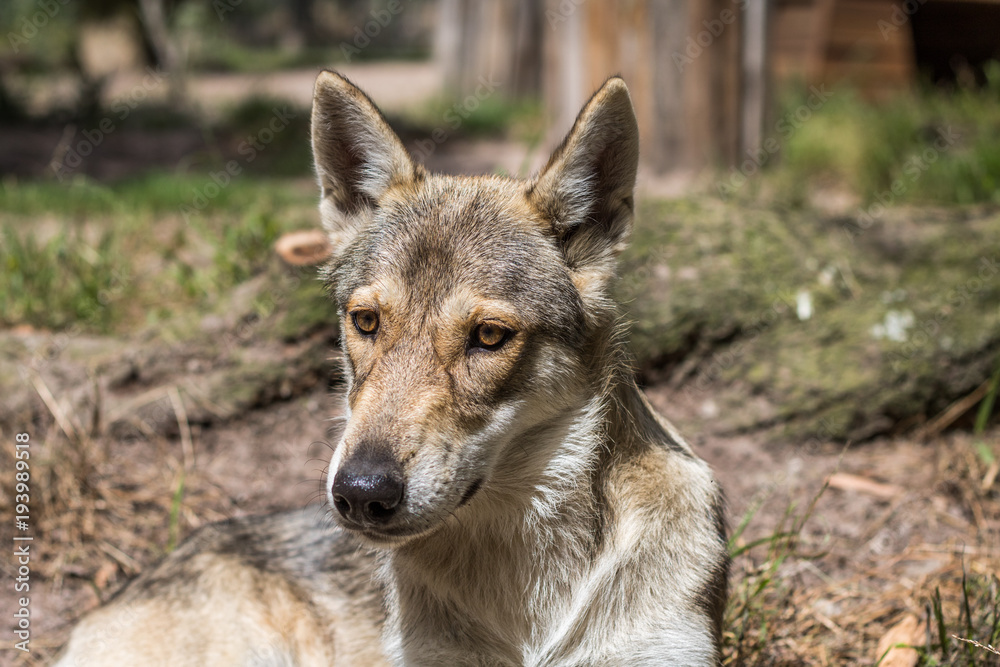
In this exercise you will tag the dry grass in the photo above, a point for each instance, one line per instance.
(793, 603)
(102, 509)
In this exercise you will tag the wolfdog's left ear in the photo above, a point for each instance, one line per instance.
(358, 156)
(586, 187)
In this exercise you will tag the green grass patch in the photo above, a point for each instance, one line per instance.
(929, 146)
(63, 281)
(152, 194)
(114, 260)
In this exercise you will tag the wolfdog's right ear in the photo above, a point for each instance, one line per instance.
(586, 189)
(358, 157)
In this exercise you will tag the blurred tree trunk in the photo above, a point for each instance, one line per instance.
(154, 22)
(755, 77)
(10, 110)
(498, 41)
(669, 21)
(302, 22)
(139, 33)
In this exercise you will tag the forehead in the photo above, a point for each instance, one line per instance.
(480, 235)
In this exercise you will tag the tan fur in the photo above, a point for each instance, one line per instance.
(512, 502)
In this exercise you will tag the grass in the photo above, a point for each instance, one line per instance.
(62, 282)
(765, 623)
(760, 597)
(983, 415)
(108, 261)
(935, 146)
(173, 523)
(961, 634)
(152, 193)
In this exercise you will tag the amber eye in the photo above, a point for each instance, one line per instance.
(366, 321)
(489, 336)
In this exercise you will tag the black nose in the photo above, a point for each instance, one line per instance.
(368, 489)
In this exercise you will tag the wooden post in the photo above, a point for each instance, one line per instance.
(754, 97)
(668, 132)
(681, 59)
(497, 39)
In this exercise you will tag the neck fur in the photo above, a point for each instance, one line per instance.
(513, 558)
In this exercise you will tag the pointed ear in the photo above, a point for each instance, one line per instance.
(586, 188)
(358, 157)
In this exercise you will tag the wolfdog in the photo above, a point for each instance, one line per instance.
(502, 492)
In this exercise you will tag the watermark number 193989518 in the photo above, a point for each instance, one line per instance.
(22, 541)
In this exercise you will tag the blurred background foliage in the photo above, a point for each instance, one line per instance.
(864, 147)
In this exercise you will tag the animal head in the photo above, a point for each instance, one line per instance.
(472, 308)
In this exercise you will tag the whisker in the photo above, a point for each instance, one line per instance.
(325, 443)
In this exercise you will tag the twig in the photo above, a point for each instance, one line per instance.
(133, 404)
(826, 622)
(986, 647)
(127, 562)
(956, 549)
(991, 475)
(848, 482)
(53, 405)
(953, 412)
(187, 447)
(823, 576)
